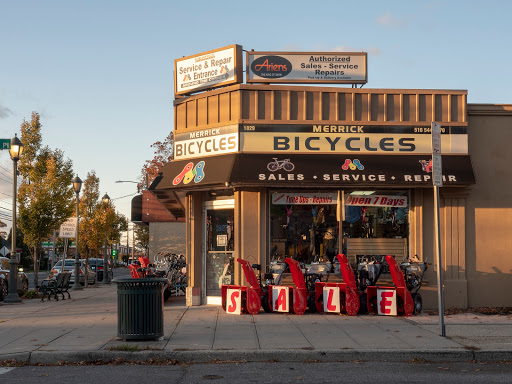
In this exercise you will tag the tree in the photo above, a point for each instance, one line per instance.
(163, 154)
(45, 194)
(142, 235)
(90, 238)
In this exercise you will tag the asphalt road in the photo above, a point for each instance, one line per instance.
(353, 372)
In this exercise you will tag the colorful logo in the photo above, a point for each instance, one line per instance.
(187, 77)
(190, 173)
(271, 66)
(224, 69)
(352, 165)
(276, 165)
(426, 165)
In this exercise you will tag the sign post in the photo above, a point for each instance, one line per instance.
(437, 179)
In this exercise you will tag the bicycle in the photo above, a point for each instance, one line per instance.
(280, 164)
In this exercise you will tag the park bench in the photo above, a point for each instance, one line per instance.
(55, 286)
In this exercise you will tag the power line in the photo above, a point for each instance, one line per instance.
(5, 195)
(6, 180)
(10, 172)
(122, 197)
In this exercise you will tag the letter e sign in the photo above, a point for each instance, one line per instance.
(280, 299)
(386, 302)
(332, 299)
(234, 301)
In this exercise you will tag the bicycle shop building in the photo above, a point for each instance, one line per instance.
(264, 171)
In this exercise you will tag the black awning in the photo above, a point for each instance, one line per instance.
(318, 171)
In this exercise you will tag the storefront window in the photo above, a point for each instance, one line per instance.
(380, 217)
(303, 226)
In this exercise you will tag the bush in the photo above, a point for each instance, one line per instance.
(31, 294)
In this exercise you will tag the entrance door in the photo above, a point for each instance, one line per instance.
(218, 257)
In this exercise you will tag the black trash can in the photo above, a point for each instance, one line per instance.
(140, 308)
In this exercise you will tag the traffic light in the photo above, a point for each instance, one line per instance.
(114, 252)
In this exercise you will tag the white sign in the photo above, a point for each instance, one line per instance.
(331, 296)
(4, 251)
(206, 142)
(304, 67)
(280, 299)
(279, 198)
(436, 138)
(234, 301)
(386, 302)
(208, 69)
(437, 170)
(222, 240)
(376, 201)
(68, 228)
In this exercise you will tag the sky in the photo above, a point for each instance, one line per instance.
(100, 73)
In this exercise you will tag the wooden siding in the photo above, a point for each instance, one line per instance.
(265, 104)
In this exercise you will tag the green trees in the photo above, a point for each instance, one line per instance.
(142, 235)
(45, 194)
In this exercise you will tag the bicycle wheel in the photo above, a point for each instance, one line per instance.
(272, 167)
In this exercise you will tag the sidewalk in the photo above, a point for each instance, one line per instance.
(85, 328)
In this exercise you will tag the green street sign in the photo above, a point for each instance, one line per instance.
(5, 143)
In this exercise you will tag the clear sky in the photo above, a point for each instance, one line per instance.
(100, 73)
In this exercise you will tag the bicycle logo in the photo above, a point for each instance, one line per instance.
(352, 164)
(190, 173)
(276, 165)
(426, 165)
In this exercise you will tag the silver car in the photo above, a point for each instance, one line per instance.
(69, 266)
(4, 279)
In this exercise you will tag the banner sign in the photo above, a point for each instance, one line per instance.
(376, 201)
(307, 67)
(349, 139)
(206, 142)
(68, 228)
(206, 70)
(279, 198)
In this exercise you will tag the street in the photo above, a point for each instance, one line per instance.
(365, 372)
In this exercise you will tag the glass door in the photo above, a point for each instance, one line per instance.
(218, 259)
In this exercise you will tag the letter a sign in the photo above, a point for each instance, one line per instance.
(332, 299)
(386, 302)
(280, 299)
(234, 301)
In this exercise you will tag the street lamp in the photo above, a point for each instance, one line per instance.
(77, 185)
(106, 201)
(15, 151)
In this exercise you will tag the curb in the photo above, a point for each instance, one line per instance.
(52, 358)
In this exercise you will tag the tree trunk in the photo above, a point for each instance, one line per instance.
(36, 269)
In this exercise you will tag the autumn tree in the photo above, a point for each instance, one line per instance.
(163, 154)
(90, 238)
(45, 195)
(142, 235)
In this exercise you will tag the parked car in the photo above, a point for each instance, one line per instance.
(69, 266)
(96, 265)
(4, 279)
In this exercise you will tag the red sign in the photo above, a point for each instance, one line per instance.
(280, 299)
(332, 299)
(234, 301)
(386, 302)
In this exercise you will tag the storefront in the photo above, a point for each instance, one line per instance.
(264, 172)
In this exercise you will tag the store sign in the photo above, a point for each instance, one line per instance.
(376, 201)
(210, 69)
(303, 67)
(304, 198)
(280, 299)
(386, 302)
(68, 228)
(331, 299)
(206, 142)
(234, 301)
(349, 139)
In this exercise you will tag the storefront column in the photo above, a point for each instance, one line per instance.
(251, 229)
(453, 243)
(194, 223)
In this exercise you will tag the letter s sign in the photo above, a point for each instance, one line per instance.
(234, 301)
